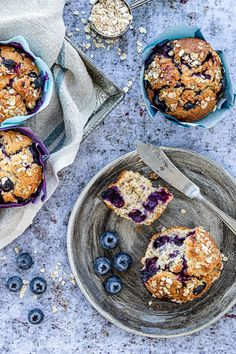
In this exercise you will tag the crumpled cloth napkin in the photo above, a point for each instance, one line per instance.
(61, 124)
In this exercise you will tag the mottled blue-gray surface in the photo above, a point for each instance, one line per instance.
(76, 327)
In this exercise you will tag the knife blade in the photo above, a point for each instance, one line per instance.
(156, 159)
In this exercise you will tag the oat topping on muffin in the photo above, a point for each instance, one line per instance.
(21, 172)
(132, 196)
(181, 264)
(184, 78)
(20, 82)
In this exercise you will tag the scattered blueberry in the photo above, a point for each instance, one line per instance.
(6, 184)
(113, 285)
(102, 266)
(35, 316)
(24, 261)
(109, 240)
(122, 262)
(14, 283)
(38, 285)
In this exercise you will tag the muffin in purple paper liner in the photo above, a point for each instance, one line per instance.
(22, 167)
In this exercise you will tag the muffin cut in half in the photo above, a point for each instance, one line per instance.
(181, 264)
(132, 196)
(184, 78)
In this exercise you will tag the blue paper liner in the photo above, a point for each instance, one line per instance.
(46, 94)
(226, 101)
(43, 152)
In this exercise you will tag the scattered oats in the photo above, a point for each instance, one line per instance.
(76, 13)
(77, 29)
(72, 279)
(149, 303)
(130, 83)
(139, 44)
(123, 56)
(84, 21)
(23, 289)
(125, 89)
(17, 250)
(142, 30)
(42, 270)
(70, 34)
(88, 37)
(63, 282)
(183, 211)
(87, 45)
(54, 309)
(225, 258)
(153, 176)
(91, 55)
(54, 274)
(87, 29)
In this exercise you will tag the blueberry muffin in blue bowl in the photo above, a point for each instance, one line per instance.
(185, 79)
(25, 82)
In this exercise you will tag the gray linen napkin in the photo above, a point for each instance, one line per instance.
(61, 124)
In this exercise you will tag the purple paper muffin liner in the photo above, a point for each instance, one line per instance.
(43, 156)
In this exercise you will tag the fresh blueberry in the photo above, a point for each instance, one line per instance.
(102, 266)
(38, 285)
(109, 240)
(14, 284)
(6, 184)
(122, 262)
(24, 261)
(113, 285)
(9, 63)
(35, 316)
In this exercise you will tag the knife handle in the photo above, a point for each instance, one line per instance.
(230, 222)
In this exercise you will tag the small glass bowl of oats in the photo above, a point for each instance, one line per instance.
(112, 18)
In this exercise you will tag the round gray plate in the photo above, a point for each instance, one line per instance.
(134, 309)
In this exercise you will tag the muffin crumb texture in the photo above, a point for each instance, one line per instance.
(20, 169)
(20, 83)
(184, 79)
(181, 264)
(132, 196)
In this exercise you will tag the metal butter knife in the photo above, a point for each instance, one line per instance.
(157, 160)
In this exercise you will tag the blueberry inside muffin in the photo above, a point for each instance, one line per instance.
(181, 264)
(133, 197)
(184, 78)
(21, 172)
(21, 83)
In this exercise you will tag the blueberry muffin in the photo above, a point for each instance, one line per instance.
(21, 172)
(133, 197)
(21, 83)
(184, 78)
(181, 264)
